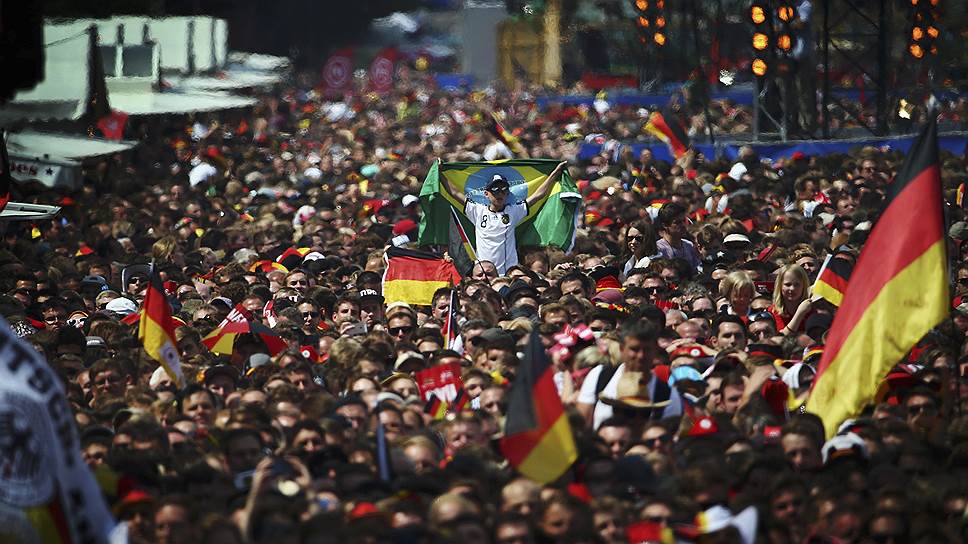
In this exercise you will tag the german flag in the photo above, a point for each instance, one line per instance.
(899, 292)
(156, 329)
(668, 131)
(460, 247)
(537, 436)
(495, 127)
(436, 408)
(413, 276)
(832, 280)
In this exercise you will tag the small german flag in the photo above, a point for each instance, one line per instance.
(537, 436)
(292, 257)
(436, 408)
(667, 130)
(460, 401)
(899, 292)
(450, 328)
(156, 329)
(832, 280)
(414, 276)
(495, 127)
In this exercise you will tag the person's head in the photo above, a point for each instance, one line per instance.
(401, 326)
(801, 443)
(511, 528)
(493, 400)
(731, 392)
(109, 378)
(762, 326)
(463, 431)
(790, 288)
(308, 436)
(923, 409)
(54, 313)
(484, 271)
(440, 305)
(788, 497)
(497, 191)
(298, 280)
(371, 308)
(173, 521)
(729, 332)
(198, 403)
(671, 221)
(638, 346)
(422, 453)
(640, 239)
(242, 448)
(346, 310)
(615, 435)
(737, 288)
(576, 284)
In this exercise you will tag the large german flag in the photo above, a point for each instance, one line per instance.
(832, 280)
(898, 293)
(667, 130)
(537, 436)
(156, 329)
(413, 276)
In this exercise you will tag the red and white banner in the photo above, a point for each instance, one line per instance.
(382, 70)
(112, 126)
(338, 72)
(441, 381)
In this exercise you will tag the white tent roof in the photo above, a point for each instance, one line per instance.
(225, 81)
(69, 146)
(64, 92)
(23, 211)
(155, 103)
(257, 61)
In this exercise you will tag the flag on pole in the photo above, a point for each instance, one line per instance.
(495, 127)
(832, 280)
(156, 329)
(221, 341)
(414, 276)
(667, 129)
(899, 291)
(460, 248)
(537, 436)
(436, 408)
(449, 329)
(550, 222)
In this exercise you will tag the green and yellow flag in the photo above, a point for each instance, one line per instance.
(551, 222)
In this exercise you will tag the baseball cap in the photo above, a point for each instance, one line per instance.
(370, 294)
(497, 182)
(95, 281)
(122, 306)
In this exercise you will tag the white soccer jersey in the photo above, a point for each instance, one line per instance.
(495, 233)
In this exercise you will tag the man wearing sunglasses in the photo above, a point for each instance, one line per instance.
(495, 222)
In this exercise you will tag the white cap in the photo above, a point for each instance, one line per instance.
(408, 200)
(155, 380)
(736, 239)
(313, 256)
(737, 171)
(844, 443)
(122, 306)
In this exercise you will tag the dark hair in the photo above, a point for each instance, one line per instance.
(190, 390)
(643, 331)
(727, 318)
(667, 214)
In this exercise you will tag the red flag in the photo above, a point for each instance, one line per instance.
(112, 126)
(338, 72)
(382, 70)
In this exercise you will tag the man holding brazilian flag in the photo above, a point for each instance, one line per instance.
(500, 204)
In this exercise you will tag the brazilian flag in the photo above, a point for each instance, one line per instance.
(551, 222)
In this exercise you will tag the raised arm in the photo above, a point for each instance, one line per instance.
(545, 186)
(459, 196)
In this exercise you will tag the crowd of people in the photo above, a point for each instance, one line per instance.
(681, 327)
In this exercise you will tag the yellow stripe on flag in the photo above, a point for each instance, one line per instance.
(225, 342)
(552, 455)
(854, 375)
(411, 291)
(828, 292)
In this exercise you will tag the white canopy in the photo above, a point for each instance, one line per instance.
(46, 144)
(23, 211)
(225, 81)
(257, 61)
(156, 103)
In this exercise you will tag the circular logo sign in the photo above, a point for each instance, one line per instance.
(26, 478)
(337, 72)
(381, 73)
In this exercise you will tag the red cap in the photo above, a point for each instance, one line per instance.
(212, 151)
(404, 226)
(580, 492)
(703, 426)
(798, 155)
(362, 510)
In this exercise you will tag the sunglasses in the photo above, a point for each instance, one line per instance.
(922, 409)
(310, 315)
(498, 191)
(653, 443)
(394, 331)
(637, 237)
(761, 316)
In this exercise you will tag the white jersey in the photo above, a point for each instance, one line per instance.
(495, 233)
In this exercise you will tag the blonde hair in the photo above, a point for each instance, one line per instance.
(778, 304)
(736, 280)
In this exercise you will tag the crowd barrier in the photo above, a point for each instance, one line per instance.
(954, 143)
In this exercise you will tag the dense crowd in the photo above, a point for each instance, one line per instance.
(681, 328)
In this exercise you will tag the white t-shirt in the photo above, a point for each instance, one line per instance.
(603, 411)
(200, 173)
(495, 233)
